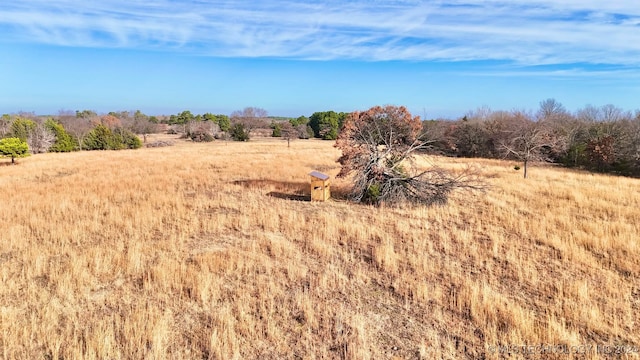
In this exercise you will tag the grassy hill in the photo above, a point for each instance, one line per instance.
(208, 251)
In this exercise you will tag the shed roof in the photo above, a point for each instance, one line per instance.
(319, 175)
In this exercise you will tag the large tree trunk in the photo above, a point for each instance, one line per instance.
(525, 168)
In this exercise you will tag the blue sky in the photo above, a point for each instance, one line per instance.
(439, 58)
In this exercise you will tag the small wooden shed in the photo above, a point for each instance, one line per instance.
(320, 186)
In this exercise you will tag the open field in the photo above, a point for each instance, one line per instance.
(206, 251)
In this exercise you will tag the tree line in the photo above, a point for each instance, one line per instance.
(241, 125)
(25, 133)
(378, 147)
(601, 139)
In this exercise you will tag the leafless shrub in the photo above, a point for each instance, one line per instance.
(160, 143)
(531, 141)
(40, 139)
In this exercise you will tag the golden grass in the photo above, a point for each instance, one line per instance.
(205, 251)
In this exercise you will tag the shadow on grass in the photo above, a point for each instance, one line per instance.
(287, 190)
(285, 196)
(287, 186)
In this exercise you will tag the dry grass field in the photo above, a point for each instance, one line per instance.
(211, 251)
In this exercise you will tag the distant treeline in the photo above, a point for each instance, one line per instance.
(84, 130)
(88, 130)
(602, 139)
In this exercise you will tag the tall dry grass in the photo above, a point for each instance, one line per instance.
(206, 251)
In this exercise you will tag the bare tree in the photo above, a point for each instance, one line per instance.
(254, 112)
(529, 141)
(378, 148)
(589, 114)
(200, 131)
(251, 118)
(80, 125)
(5, 125)
(481, 114)
(611, 113)
(551, 109)
(574, 133)
(40, 139)
(141, 125)
(288, 132)
(635, 126)
(635, 146)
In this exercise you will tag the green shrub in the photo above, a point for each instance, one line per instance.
(22, 128)
(239, 133)
(126, 139)
(277, 130)
(103, 138)
(373, 194)
(64, 141)
(100, 138)
(14, 148)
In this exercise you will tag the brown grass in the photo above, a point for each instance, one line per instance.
(208, 251)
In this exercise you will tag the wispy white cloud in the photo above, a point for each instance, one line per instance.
(620, 74)
(525, 32)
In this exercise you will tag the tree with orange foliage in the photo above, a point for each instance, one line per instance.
(110, 121)
(378, 148)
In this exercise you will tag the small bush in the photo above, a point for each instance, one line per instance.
(277, 130)
(222, 136)
(127, 139)
(239, 133)
(102, 138)
(160, 143)
(13, 148)
(373, 194)
(201, 136)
